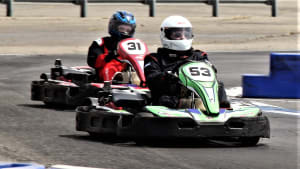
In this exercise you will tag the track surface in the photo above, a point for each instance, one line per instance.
(31, 132)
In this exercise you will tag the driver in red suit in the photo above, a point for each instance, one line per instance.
(102, 51)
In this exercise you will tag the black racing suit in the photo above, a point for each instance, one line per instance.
(164, 87)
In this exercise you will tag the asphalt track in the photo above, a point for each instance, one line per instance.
(32, 132)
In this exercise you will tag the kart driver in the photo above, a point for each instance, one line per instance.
(102, 51)
(176, 38)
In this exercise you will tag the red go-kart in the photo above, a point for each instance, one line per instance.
(74, 86)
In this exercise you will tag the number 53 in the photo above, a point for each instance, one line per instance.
(197, 71)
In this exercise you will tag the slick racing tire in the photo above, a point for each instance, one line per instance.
(95, 135)
(143, 141)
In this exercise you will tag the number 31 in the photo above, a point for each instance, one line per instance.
(134, 46)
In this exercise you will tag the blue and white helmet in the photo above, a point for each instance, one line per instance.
(122, 25)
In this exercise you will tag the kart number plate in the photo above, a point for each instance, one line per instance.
(133, 47)
(200, 72)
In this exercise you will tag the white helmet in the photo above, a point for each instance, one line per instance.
(176, 33)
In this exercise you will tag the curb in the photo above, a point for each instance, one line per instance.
(59, 166)
(20, 166)
(7, 165)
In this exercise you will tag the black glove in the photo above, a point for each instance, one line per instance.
(179, 64)
(111, 55)
(199, 56)
(175, 68)
(171, 78)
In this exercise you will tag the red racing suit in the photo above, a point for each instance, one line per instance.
(101, 57)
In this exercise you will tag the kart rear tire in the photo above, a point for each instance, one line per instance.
(145, 141)
(50, 104)
(55, 105)
(249, 141)
(94, 135)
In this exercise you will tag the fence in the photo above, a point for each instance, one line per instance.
(152, 3)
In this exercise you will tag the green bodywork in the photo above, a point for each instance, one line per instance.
(200, 78)
(197, 115)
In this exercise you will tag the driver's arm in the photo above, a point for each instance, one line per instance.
(155, 77)
(99, 55)
(202, 56)
(96, 55)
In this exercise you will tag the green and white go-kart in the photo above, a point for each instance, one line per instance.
(201, 117)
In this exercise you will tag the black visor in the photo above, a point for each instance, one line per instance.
(178, 33)
(122, 30)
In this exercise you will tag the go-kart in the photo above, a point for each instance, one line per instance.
(73, 86)
(199, 115)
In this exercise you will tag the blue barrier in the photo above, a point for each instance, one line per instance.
(20, 166)
(283, 81)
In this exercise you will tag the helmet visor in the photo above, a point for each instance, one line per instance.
(178, 33)
(125, 29)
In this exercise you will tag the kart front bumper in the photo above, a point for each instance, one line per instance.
(144, 127)
(93, 121)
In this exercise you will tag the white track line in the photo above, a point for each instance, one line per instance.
(59, 166)
(237, 92)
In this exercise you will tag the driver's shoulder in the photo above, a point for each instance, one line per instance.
(156, 56)
(151, 57)
(102, 41)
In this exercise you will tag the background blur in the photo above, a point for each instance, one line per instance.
(52, 28)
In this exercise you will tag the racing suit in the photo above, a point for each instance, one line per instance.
(163, 86)
(101, 57)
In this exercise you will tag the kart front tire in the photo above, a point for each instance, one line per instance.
(249, 141)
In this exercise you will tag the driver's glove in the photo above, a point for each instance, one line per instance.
(178, 65)
(111, 55)
(170, 77)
